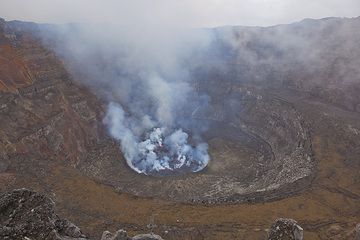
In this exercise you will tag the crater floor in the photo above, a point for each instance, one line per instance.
(249, 162)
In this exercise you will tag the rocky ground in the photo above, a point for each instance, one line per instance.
(284, 150)
(28, 215)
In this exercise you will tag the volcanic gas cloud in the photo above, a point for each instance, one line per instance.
(142, 70)
(150, 147)
(151, 131)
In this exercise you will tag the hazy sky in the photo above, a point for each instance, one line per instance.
(195, 13)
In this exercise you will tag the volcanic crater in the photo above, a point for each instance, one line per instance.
(273, 128)
(262, 152)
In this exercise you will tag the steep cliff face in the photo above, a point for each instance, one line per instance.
(316, 57)
(44, 114)
(14, 72)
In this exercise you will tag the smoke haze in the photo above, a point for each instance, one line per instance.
(139, 57)
(141, 68)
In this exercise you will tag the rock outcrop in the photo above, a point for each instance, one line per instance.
(25, 214)
(285, 229)
(28, 215)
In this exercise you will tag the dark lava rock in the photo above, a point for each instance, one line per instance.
(25, 214)
(285, 229)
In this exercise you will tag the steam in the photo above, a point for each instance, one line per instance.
(159, 150)
(141, 69)
(146, 66)
(151, 134)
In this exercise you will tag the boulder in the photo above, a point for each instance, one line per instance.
(285, 229)
(25, 214)
(28, 215)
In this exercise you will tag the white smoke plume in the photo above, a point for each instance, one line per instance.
(159, 149)
(142, 69)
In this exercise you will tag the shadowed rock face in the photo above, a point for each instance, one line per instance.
(45, 117)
